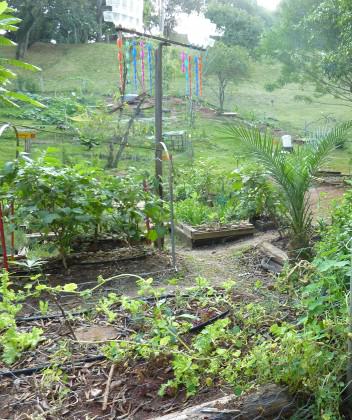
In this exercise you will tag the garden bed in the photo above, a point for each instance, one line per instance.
(213, 233)
(80, 379)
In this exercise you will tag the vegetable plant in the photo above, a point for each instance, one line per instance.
(68, 202)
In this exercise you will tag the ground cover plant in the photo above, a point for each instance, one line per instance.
(168, 332)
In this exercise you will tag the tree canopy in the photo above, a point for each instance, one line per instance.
(313, 41)
(241, 22)
(229, 64)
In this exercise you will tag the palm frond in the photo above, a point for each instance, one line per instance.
(324, 143)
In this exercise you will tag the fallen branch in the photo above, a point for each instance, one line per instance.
(108, 385)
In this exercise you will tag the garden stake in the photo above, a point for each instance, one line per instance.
(3, 241)
(12, 232)
(349, 342)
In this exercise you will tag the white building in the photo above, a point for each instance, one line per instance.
(125, 13)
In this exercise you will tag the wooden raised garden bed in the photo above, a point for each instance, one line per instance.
(210, 234)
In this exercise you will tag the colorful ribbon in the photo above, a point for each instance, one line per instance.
(142, 55)
(127, 61)
(183, 59)
(120, 58)
(134, 58)
(190, 75)
(150, 66)
(187, 75)
(200, 76)
(196, 67)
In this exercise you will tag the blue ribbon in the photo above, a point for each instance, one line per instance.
(196, 63)
(150, 65)
(134, 56)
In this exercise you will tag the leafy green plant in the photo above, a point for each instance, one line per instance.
(72, 201)
(12, 341)
(293, 173)
(8, 23)
(193, 211)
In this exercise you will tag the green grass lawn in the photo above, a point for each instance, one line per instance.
(91, 70)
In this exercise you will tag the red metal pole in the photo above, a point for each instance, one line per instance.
(3, 241)
(13, 232)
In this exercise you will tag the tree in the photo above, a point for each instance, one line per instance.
(227, 64)
(173, 7)
(63, 20)
(8, 23)
(293, 173)
(313, 41)
(241, 22)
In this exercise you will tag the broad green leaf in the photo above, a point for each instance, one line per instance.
(21, 64)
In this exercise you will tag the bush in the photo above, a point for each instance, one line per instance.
(74, 201)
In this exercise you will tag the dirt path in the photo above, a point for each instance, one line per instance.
(239, 261)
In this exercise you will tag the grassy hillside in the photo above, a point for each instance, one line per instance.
(92, 70)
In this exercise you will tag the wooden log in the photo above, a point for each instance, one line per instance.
(275, 253)
(269, 402)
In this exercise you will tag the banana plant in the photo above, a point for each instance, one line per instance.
(8, 23)
(293, 172)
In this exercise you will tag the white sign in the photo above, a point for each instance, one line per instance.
(125, 13)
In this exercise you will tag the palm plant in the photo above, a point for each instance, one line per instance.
(293, 173)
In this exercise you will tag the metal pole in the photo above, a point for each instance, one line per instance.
(159, 118)
(172, 212)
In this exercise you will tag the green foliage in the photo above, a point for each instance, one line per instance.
(8, 23)
(229, 64)
(245, 193)
(13, 341)
(242, 22)
(313, 41)
(57, 112)
(311, 355)
(293, 173)
(70, 202)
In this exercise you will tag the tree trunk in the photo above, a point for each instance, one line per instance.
(221, 97)
(269, 402)
(124, 140)
(100, 20)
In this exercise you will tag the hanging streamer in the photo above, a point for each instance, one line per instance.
(120, 58)
(134, 58)
(183, 59)
(127, 61)
(142, 55)
(196, 68)
(190, 75)
(200, 76)
(150, 66)
(187, 75)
